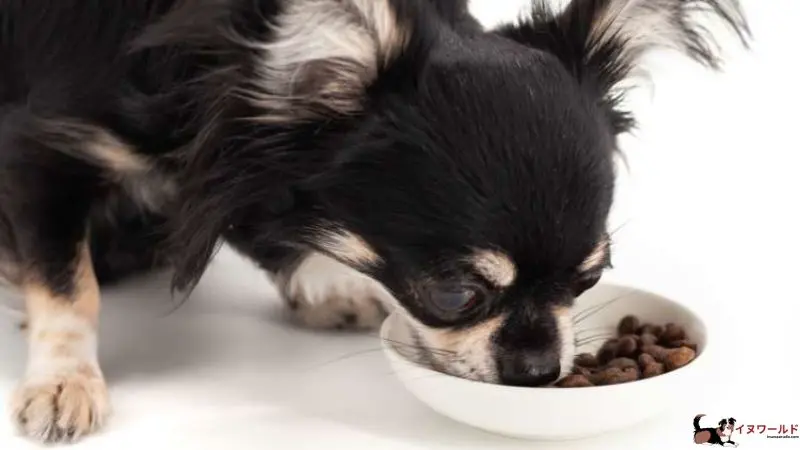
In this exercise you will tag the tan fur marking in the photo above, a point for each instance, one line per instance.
(116, 155)
(63, 395)
(58, 336)
(496, 266)
(468, 352)
(349, 247)
(566, 334)
(93, 144)
(86, 304)
(596, 257)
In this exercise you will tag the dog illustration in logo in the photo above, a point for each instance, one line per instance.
(721, 435)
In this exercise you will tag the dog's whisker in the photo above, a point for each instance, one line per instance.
(433, 350)
(581, 345)
(592, 329)
(588, 312)
(591, 339)
(594, 336)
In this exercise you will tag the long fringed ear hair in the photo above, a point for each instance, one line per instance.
(277, 77)
(602, 42)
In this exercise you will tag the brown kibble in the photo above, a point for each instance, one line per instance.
(640, 351)
(678, 357)
(606, 376)
(683, 343)
(648, 339)
(653, 369)
(586, 360)
(627, 346)
(649, 328)
(577, 370)
(630, 374)
(671, 333)
(614, 375)
(646, 359)
(658, 352)
(628, 325)
(623, 363)
(574, 380)
(608, 351)
(645, 328)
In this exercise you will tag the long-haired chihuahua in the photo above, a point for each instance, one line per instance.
(367, 154)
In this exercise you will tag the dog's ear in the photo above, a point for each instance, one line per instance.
(722, 423)
(297, 59)
(603, 41)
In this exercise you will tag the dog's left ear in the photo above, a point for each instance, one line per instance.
(602, 42)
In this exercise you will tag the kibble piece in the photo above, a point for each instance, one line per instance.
(578, 370)
(586, 360)
(678, 357)
(630, 374)
(648, 339)
(606, 376)
(574, 381)
(646, 359)
(627, 346)
(658, 352)
(645, 328)
(653, 369)
(623, 363)
(683, 343)
(628, 325)
(608, 351)
(672, 333)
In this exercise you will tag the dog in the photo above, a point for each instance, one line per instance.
(369, 155)
(715, 436)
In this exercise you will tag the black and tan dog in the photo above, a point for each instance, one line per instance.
(721, 435)
(365, 153)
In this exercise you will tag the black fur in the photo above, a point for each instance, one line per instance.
(464, 139)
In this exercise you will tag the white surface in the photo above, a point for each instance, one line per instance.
(570, 413)
(708, 210)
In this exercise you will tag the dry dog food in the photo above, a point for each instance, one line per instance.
(638, 351)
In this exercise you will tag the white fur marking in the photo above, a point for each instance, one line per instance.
(325, 290)
(467, 354)
(566, 334)
(335, 45)
(348, 247)
(596, 257)
(495, 266)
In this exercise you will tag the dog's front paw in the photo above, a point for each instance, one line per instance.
(61, 408)
(323, 293)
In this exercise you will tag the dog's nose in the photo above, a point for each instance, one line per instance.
(529, 368)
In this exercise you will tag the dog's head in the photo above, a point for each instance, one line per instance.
(469, 171)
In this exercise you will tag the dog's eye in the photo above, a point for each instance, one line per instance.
(585, 282)
(452, 299)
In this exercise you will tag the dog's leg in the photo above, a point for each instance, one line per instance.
(323, 293)
(63, 395)
(46, 200)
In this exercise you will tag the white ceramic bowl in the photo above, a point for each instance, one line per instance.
(551, 413)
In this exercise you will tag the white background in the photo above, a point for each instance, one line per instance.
(709, 205)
